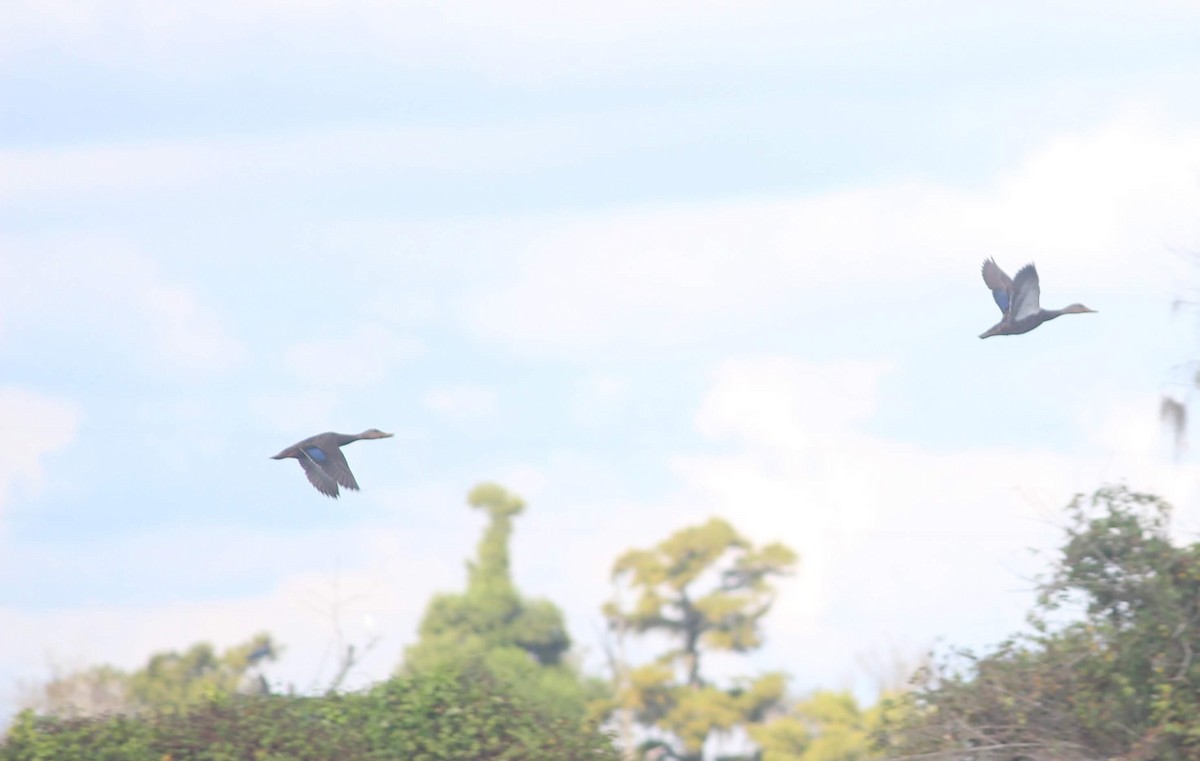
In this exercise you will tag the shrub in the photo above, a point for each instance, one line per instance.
(457, 712)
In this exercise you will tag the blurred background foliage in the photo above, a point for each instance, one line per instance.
(1106, 670)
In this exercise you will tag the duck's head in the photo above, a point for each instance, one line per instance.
(374, 433)
(1077, 309)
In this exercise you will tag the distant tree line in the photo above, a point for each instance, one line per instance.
(450, 713)
(1107, 670)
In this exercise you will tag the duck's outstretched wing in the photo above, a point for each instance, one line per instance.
(317, 476)
(1000, 284)
(1027, 294)
(332, 462)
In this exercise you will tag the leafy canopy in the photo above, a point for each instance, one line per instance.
(170, 681)
(520, 640)
(451, 713)
(706, 588)
(1110, 668)
(828, 726)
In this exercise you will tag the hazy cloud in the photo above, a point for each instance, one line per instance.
(895, 537)
(599, 399)
(359, 153)
(34, 426)
(365, 356)
(462, 400)
(533, 41)
(105, 292)
(352, 581)
(1098, 209)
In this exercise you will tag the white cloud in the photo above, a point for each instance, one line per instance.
(190, 333)
(30, 174)
(790, 407)
(284, 411)
(899, 543)
(358, 588)
(599, 400)
(34, 426)
(536, 41)
(462, 401)
(102, 289)
(507, 37)
(1097, 210)
(895, 538)
(365, 356)
(299, 613)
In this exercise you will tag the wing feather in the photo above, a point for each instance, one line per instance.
(323, 482)
(337, 467)
(1027, 294)
(1000, 284)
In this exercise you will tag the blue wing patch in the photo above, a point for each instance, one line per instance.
(316, 454)
(1001, 297)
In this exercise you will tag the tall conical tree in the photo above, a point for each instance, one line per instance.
(491, 613)
(524, 642)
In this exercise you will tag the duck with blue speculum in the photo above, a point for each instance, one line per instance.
(1018, 301)
(322, 459)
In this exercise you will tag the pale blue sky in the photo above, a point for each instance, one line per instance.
(641, 262)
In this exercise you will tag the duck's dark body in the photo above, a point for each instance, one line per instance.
(323, 462)
(1018, 299)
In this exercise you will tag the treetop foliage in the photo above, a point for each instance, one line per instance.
(170, 681)
(452, 713)
(491, 614)
(519, 640)
(828, 726)
(1109, 671)
(724, 616)
(706, 587)
(495, 500)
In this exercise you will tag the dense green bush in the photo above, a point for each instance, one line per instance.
(453, 713)
(1109, 668)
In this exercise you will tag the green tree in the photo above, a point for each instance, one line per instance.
(93, 691)
(454, 713)
(706, 588)
(1109, 669)
(173, 681)
(521, 640)
(828, 726)
(168, 681)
